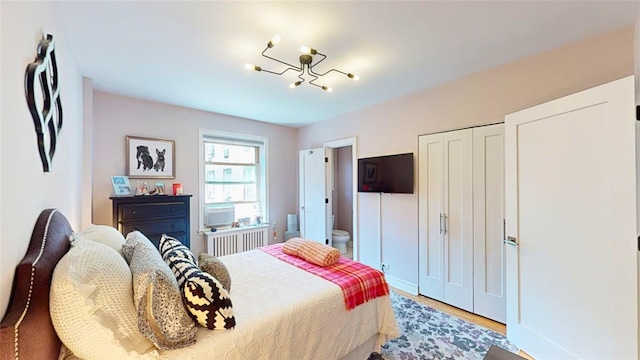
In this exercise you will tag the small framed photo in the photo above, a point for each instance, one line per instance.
(142, 188)
(159, 188)
(121, 185)
(149, 158)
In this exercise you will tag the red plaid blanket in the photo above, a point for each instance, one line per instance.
(359, 283)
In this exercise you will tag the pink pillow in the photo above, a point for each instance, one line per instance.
(292, 246)
(319, 254)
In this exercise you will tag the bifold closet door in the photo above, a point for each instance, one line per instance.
(430, 212)
(446, 217)
(458, 218)
(489, 283)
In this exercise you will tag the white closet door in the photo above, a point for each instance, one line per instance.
(489, 298)
(430, 209)
(572, 283)
(458, 210)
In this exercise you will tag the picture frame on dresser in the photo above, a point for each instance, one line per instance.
(121, 185)
(150, 158)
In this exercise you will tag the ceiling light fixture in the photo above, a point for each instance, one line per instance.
(306, 64)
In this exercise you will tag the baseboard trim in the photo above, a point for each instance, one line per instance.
(400, 284)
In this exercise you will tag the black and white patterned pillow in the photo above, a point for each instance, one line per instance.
(205, 298)
(169, 244)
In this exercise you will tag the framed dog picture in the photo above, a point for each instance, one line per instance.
(149, 158)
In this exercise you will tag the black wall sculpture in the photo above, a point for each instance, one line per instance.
(47, 118)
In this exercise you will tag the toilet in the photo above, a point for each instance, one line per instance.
(339, 237)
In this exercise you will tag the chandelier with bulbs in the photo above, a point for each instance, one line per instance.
(306, 63)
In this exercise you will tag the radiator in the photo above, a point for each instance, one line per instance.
(231, 241)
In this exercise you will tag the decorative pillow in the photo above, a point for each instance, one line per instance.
(292, 246)
(319, 254)
(106, 235)
(210, 264)
(205, 298)
(169, 244)
(91, 293)
(162, 317)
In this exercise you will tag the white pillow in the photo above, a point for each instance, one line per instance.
(106, 235)
(91, 304)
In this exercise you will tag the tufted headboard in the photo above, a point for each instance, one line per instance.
(26, 332)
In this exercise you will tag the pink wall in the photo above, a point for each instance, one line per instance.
(25, 189)
(481, 98)
(344, 189)
(117, 116)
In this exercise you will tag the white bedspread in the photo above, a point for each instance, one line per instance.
(283, 312)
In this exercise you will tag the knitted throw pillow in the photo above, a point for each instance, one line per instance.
(212, 265)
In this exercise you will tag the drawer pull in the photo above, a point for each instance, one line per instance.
(135, 211)
(173, 226)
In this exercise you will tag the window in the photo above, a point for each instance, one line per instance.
(233, 171)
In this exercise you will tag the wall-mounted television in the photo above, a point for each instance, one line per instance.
(386, 174)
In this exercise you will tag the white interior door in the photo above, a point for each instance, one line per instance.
(458, 218)
(313, 213)
(572, 280)
(430, 212)
(489, 294)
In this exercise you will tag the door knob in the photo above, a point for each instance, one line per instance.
(510, 240)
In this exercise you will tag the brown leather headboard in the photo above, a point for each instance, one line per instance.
(26, 332)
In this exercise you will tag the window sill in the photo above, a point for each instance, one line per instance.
(230, 230)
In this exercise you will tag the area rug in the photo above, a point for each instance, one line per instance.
(427, 333)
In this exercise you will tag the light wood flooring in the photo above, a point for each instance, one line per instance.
(472, 318)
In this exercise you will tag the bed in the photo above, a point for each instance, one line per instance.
(282, 312)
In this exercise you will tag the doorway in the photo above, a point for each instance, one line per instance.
(328, 185)
(342, 190)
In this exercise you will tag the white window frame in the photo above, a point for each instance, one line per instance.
(238, 139)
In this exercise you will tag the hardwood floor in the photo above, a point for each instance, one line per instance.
(472, 318)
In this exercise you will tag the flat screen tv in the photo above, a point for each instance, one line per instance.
(386, 174)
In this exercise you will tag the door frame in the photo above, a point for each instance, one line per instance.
(351, 141)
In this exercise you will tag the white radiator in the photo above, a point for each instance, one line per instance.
(231, 241)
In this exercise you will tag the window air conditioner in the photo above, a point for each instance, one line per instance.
(219, 215)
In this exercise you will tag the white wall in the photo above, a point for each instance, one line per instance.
(117, 116)
(481, 98)
(25, 189)
(87, 152)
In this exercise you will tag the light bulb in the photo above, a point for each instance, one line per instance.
(295, 84)
(274, 40)
(327, 89)
(252, 67)
(308, 50)
(353, 76)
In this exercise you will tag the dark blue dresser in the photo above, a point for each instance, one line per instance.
(153, 215)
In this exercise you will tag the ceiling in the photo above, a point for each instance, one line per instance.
(192, 54)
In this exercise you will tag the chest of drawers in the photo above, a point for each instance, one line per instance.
(153, 216)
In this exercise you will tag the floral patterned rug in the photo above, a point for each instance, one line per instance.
(427, 333)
